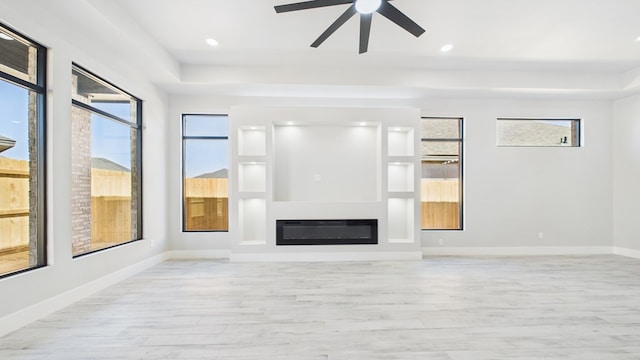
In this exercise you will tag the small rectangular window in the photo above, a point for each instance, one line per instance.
(441, 185)
(205, 154)
(538, 132)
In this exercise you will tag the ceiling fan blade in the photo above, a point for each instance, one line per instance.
(335, 26)
(365, 31)
(310, 5)
(392, 13)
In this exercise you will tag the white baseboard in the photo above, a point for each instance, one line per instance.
(35, 312)
(516, 250)
(326, 256)
(626, 252)
(198, 254)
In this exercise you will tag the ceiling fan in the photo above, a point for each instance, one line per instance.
(365, 8)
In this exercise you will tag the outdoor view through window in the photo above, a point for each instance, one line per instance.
(205, 149)
(21, 153)
(105, 169)
(441, 186)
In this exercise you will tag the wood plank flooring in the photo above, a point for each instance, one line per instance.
(449, 308)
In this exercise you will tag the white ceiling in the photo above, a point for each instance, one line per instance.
(525, 36)
(596, 32)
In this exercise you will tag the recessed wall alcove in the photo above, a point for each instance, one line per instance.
(327, 162)
(300, 163)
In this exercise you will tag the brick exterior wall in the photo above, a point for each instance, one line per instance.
(33, 162)
(134, 180)
(80, 177)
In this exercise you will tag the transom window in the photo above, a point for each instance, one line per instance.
(538, 132)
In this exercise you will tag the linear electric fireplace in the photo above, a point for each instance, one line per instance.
(327, 232)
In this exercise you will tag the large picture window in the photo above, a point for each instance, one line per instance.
(441, 186)
(106, 164)
(205, 164)
(22, 158)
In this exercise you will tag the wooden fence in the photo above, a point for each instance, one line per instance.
(206, 204)
(110, 206)
(440, 203)
(14, 205)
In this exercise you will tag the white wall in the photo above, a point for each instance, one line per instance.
(326, 163)
(511, 194)
(205, 243)
(626, 172)
(58, 28)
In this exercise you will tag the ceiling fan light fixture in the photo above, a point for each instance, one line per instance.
(368, 6)
(365, 10)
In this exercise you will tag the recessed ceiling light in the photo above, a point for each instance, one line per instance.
(367, 6)
(446, 48)
(212, 42)
(638, 38)
(5, 37)
(290, 123)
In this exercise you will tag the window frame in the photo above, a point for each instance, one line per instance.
(460, 141)
(185, 138)
(137, 125)
(578, 135)
(39, 89)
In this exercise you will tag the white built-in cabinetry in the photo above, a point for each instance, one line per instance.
(401, 183)
(324, 163)
(252, 185)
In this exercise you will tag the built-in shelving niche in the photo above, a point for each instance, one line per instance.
(252, 185)
(253, 226)
(252, 177)
(252, 141)
(400, 177)
(400, 141)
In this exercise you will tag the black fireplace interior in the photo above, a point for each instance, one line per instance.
(327, 232)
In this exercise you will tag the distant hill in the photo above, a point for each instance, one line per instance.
(106, 164)
(220, 174)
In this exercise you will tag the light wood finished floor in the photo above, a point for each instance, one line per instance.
(450, 308)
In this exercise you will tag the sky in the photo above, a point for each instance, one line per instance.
(205, 156)
(111, 139)
(14, 102)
